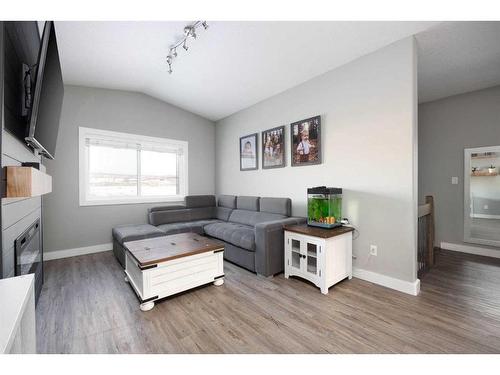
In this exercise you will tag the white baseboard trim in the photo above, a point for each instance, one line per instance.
(407, 287)
(476, 250)
(59, 254)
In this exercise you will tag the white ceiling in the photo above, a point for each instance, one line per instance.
(231, 66)
(458, 57)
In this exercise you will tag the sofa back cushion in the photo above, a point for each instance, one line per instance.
(247, 203)
(196, 207)
(281, 206)
(252, 218)
(159, 217)
(195, 201)
(225, 205)
(227, 201)
(223, 213)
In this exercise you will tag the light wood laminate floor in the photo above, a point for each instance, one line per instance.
(86, 307)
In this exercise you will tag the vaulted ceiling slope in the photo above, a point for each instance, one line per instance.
(458, 57)
(229, 67)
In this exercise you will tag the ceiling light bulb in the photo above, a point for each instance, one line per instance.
(205, 25)
(184, 45)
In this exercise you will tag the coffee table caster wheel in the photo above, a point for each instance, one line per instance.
(219, 282)
(146, 306)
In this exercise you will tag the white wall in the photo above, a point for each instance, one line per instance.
(69, 226)
(368, 113)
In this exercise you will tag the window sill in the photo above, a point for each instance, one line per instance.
(112, 202)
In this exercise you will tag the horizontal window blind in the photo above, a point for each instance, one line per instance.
(158, 169)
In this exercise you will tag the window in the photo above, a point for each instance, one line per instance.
(120, 168)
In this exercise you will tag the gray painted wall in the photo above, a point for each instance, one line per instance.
(368, 109)
(446, 127)
(67, 225)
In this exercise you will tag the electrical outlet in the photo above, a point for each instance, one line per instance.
(454, 180)
(373, 250)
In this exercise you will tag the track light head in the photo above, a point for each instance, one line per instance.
(173, 52)
(204, 24)
(169, 62)
(190, 32)
(184, 45)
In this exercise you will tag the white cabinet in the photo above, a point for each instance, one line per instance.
(322, 256)
(17, 315)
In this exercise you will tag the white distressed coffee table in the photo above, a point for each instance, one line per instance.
(162, 266)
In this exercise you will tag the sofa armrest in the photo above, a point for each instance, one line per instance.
(269, 241)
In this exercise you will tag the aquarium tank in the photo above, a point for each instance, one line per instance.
(324, 207)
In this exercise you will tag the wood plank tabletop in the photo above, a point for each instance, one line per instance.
(161, 249)
(317, 231)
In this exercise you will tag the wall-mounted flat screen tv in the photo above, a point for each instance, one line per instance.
(48, 96)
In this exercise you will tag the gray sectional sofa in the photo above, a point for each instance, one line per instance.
(251, 227)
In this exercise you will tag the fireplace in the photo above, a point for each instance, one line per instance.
(29, 255)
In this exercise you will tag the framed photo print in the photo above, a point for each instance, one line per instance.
(273, 148)
(248, 152)
(305, 139)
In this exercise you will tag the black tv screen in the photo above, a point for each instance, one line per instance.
(48, 96)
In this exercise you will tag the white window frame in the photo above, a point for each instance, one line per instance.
(86, 200)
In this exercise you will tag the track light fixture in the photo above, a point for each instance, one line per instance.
(189, 32)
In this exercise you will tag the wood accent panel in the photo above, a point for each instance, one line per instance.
(13, 212)
(11, 233)
(27, 182)
(17, 150)
(162, 249)
(318, 232)
(8, 261)
(457, 311)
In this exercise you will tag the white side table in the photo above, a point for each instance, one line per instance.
(322, 256)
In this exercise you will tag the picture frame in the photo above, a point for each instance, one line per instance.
(249, 152)
(305, 142)
(273, 148)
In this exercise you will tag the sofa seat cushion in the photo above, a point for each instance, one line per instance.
(187, 226)
(125, 233)
(237, 234)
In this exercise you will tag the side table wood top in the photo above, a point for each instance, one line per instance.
(318, 232)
